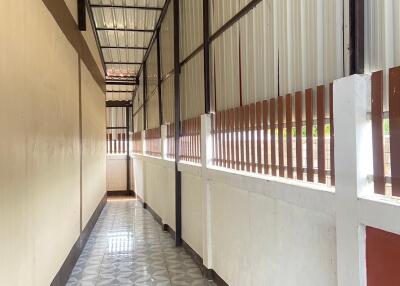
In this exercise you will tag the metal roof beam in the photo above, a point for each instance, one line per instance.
(124, 48)
(118, 103)
(109, 82)
(126, 7)
(123, 63)
(125, 30)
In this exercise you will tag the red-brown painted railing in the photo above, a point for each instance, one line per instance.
(383, 182)
(137, 142)
(153, 142)
(258, 137)
(116, 146)
(190, 140)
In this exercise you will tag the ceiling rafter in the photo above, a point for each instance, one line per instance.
(113, 26)
(148, 8)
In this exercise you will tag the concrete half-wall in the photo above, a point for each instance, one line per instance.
(253, 227)
(52, 147)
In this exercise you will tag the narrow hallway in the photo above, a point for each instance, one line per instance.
(128, 247)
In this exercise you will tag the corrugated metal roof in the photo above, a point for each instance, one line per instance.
(124, 29)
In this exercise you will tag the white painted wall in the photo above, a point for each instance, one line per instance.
(116, 173)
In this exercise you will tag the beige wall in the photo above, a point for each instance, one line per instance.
(40, 144)
(93, 145)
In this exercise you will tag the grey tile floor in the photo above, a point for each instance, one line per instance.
(128, 247)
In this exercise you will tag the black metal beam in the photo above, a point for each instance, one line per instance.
(96, 36)
(82, 15)
(126, 7)
(178, 181)
(114, 82)
(144, 94)
(235, 18)
(125, 30)
(206, 46)
(191, 55)
(153, 38)
(123, 63)
(120, 103)
(357, 32)
(128, 163)
(123, 48)
(159, 85)
(115, 128)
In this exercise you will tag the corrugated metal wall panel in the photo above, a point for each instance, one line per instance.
(382, 41)
(167, 42)
(137, 106)
(259, 67)
(151, 70)
(303, 40)
(152, 112)
(167, 88)
(116, 117)
(225, 80)
(192, 87)
(191, 26)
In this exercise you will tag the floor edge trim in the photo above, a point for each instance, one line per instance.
(63, 274)
(210, 274)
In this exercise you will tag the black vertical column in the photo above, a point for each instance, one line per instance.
(178, 191)
(82, 15)
(160, 107)
(357, 30)
(206, 47)
(144, 94)
(128, 159)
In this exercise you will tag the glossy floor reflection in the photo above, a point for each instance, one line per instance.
(127, 247)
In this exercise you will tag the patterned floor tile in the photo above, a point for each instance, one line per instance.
(128, 247)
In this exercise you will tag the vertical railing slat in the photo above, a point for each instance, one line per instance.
(227, 136)
(332, 136)
(265, 130)
(280, 137)
(232, 135)
(237, 138)
(309, 134)
(321, 133)
(220, 130)
(242, 138)
(246, 122)
(259, 128)
(273, 143)
(289, 145)
(224, 163)
(299, 134)
(377, 132)
(252, 140)
(394, 123)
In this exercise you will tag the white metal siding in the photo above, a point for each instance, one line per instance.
(192, 87)
(302, 39)
(191, 26)
(382, 40)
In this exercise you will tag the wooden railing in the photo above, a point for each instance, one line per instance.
(118, 145)
(137, 142)
(267, 137)
(153, 142)
(386, 141)
(190, 140)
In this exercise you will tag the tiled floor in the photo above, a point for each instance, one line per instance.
(127, 247)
